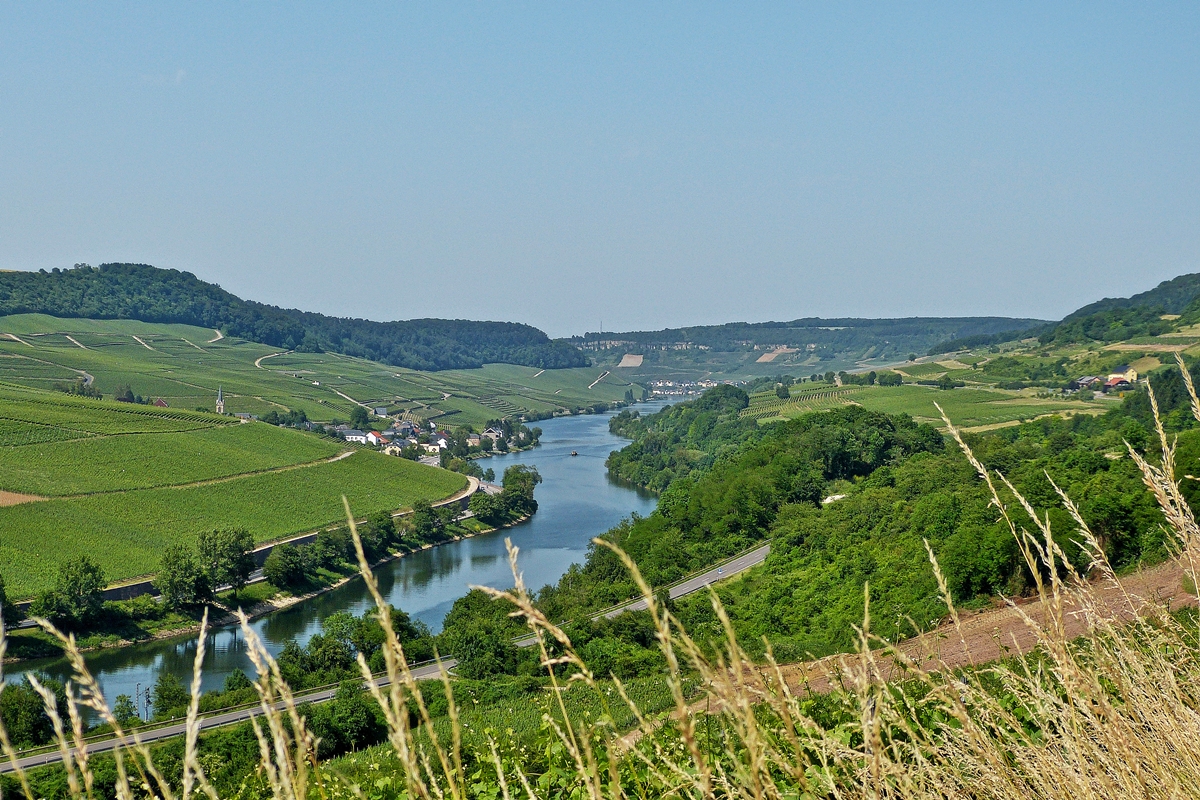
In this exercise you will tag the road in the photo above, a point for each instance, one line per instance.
(698, 582)
(209, 722)
(695, 583)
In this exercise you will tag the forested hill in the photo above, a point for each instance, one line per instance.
(1116, 318)
(150, 294)
(1112, 319)
(889, 337)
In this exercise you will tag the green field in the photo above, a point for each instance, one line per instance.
(184, 366)
(126, 532)
(966, 407)
(125, 480)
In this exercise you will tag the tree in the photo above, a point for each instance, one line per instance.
(482, 649)
(169, 696)
(518, 482)
(178, 578)
(486, 508)
(332, 547)
(227, 557)
(79, 591)
(124, 710)
(426, 522)
(890, 379)
(782, 392)
(23, 713)
(236, 681)
(11, 614)
(360, 418)
(284, 566)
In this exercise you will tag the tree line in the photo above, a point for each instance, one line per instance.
(149, 294)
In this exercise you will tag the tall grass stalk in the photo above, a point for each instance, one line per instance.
(1115, 713)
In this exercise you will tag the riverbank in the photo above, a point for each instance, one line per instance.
(262, 607)
(576, 502)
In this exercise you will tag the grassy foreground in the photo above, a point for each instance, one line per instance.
(1111, 715)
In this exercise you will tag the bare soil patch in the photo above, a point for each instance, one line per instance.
(630, 360)
(774, 354)
(16, 498)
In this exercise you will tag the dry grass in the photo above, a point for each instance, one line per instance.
(1114, 714)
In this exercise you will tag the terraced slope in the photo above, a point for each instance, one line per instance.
(185, 365)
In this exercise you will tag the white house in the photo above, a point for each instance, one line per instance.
(378, 439)
(351, 435)
(1125, 373)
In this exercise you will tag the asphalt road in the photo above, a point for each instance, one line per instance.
(698, 582)
(208, 722)
(693, 584)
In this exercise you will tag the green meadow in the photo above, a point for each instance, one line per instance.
(967, 407)
(124, 480)
(125, 532)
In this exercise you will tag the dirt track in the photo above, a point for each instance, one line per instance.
(995, 633)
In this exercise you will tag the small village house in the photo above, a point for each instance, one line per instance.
(1125, 373)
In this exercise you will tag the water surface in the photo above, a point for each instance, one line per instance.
(576, 501)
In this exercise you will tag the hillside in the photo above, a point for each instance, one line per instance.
(1111, 319)
(185, 365)
(740, 349)
(146, 293)
(120, 481)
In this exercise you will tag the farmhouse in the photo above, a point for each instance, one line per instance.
(495, 434)
(352, 435)
(378, 439)
(1086, 382)
(380, 411)
(1125, 373)
(1116, 383)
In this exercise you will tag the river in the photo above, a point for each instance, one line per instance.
(576, 501)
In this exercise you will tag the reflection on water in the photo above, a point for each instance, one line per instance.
(576, 501)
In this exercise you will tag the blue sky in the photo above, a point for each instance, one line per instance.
(643, 165)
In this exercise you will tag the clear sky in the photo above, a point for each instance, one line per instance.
(643, 165)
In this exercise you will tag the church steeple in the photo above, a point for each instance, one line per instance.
(220, 401)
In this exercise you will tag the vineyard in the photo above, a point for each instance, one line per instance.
(970, 407)
(126, 532)
(185, 365)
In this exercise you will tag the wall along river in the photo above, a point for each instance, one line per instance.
(576, 502)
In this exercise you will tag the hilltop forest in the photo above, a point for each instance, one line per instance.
(149, 294)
